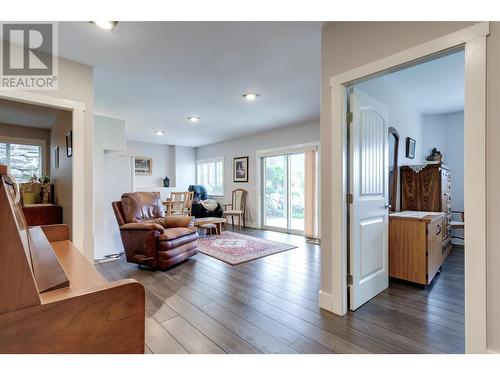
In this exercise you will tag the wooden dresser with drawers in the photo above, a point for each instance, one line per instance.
(415, 245)
(428, 189)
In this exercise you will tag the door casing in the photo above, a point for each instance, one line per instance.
(473, 40)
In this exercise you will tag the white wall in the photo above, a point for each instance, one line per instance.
(289, 136)
(113, 177)
(161, 162)
(185, 167)
(113, 174)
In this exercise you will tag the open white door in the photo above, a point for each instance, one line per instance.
(368, 212)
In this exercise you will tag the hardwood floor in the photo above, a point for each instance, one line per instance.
(270, 305)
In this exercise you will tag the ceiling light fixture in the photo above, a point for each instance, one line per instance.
(160, 132)
(251, 96)
(194, 118)
(106, 25)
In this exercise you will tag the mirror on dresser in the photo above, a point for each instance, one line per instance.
(393, 167)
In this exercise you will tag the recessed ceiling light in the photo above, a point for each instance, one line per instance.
(194, 118)
(250, 96)
(160, 132)
(106, 25)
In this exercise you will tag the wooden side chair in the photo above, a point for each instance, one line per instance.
(178, 201)
(237, 207)
(181, 202)
(188, 202)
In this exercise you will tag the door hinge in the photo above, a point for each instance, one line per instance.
(349, 279)
(350, 199)
(349, 117)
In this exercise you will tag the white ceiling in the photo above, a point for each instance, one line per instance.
(156, 74)
(434, 87)
(17, 113)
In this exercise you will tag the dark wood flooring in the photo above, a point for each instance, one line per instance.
(270, 305)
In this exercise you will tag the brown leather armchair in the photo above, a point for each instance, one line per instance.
(150, 238)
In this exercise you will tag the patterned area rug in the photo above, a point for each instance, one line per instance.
(235, 248)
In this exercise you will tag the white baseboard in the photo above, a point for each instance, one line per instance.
(325, 301)
(489, 351)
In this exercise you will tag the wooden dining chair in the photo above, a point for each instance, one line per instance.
(237, 207)
(178, 201)
(188, 202)
(168, 207)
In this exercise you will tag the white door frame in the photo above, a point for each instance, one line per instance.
(473, 39)
(79, 229)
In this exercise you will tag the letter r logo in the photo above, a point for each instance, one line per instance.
(27, 49)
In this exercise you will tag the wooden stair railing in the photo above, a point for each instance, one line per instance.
(52, 299)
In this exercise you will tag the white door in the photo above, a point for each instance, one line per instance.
(368, 213)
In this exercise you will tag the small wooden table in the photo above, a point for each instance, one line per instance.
(218, 221)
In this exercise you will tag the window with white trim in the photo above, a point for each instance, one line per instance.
(210, 173)
(24, 158)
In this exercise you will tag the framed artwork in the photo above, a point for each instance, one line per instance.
(410, 148)
(69, 144)
(143, 166)
(56, 157)
(240, 169)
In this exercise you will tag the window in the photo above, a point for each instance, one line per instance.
(23, 157)
(210, 173)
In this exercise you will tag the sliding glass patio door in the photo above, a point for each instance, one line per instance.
(283, 192)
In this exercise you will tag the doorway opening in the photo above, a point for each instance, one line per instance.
(82, 207)
(36, 146)
(406, 195)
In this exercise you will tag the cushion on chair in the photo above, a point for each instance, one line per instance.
(140, 207)
(179, 221)
(173, 233)
(159, 221)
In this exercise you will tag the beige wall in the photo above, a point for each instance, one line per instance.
(76, 82)
(347, 45)
(62, 177)
(30, 133)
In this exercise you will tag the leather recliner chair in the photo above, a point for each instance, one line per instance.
(149, 238)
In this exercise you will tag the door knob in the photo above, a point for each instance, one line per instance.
(387, 206)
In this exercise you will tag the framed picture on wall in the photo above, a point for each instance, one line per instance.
(410, 148)
(69, 144)
(143, 166)
(56, 157)
(240, 169)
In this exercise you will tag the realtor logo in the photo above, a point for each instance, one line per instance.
(29, 56)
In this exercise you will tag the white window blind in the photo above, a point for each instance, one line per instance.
(23, 160)
(210, 173)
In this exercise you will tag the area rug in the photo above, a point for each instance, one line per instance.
(236, 248)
